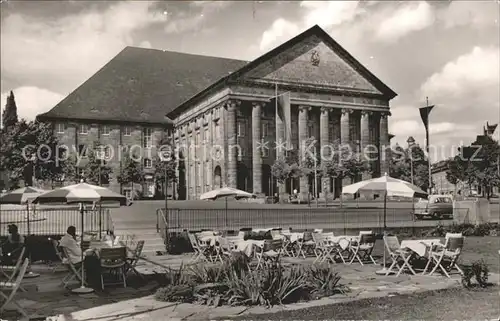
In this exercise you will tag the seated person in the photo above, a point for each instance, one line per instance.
(72, 247)
(11, 248)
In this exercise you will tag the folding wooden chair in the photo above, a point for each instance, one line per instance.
(59, 255)
(10, 271)
(324, 247)
(12, 287)
(397, 254)
(199, 250)
(74, 271)
(363, 249)
(445, 256)
(269, 253)
(132, 261)
(113, 259)
(14, 269)
(306, 243)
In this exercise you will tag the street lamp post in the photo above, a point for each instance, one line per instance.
(411, 143)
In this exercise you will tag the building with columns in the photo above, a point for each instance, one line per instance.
(332, 98)
(223, 115)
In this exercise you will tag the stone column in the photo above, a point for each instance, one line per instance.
(256, 148)
(325, 149)
(232, 159)
(280, 150)
(384, 143)
(365, 140)
(303, 135)
(345, 137)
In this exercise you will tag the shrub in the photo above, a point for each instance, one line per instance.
(183, 293)
(477, 269)
(324, 281)
(234, 283)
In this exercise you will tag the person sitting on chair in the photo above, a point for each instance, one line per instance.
(12, 246)
(72, 247)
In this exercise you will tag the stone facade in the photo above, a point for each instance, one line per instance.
(118, 140)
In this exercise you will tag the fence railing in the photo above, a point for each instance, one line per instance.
(178, 220)
(55, 221)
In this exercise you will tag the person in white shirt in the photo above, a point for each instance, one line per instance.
(72, 247)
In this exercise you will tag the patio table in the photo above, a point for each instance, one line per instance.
(209, 239)
(420, 247)
(246, 246)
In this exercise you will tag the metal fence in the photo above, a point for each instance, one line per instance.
(178, 220)
(54, 221)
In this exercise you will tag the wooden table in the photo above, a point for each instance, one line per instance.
(420, 247)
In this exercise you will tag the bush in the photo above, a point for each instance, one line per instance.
(484, 229)
(477, 269)
(233, 283)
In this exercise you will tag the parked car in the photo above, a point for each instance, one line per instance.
(435, 207)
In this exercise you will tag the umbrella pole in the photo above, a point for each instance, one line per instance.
(30, 274)
(384, 270)
(82, 289)
(226, 213)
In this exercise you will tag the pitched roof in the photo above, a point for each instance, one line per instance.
(142, 85)
(313, 31)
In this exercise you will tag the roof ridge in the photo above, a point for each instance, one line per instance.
(184, 53)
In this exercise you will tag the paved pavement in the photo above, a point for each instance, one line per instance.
(136, 302)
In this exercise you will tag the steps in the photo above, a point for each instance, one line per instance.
(142, 224)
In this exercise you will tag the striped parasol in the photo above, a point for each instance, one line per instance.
(225, 192)
(387, 186)
(81, 193)
(22, 195)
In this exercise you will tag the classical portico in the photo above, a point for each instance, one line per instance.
(229, 136)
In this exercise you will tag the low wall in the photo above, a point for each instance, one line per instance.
(478, 211)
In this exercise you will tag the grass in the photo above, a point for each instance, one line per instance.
(449, 304)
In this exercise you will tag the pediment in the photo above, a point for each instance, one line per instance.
(314, 61)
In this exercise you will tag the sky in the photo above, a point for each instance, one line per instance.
(447, 51)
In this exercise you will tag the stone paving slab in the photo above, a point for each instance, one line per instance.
(147, 308)
(46, 296)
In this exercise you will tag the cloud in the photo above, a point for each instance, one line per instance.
(411, 17)
(186, 21)
(145, 44)
(323, 13)
(473, 74)
(280, 29)
(461, 13)
(31, 101)
(69, 49)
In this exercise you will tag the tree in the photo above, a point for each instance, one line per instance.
(27, 150)
(96, 166)
(130, 172)
(9, 117)
(401, 164)
(477, 164)
(354, 167)
(280, 170)
(165, 162)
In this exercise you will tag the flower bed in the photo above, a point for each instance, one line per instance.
(233, 283)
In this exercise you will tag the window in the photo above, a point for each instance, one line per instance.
(206, 136)
(84, 129)
(105, 130)
(126, 131)
(265, 129)
(107, 152)
(216, 131)
(148, 163)
(60, 127)
(148, 139)
(241, 128)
